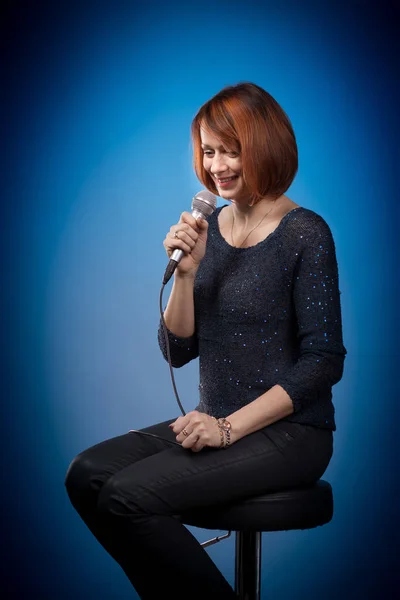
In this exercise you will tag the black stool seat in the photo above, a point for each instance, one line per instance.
(297, 508)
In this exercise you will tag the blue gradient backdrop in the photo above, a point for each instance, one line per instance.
(96, 167)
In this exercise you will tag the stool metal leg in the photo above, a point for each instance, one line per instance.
(248, 565)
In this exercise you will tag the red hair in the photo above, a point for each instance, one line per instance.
(249, 120)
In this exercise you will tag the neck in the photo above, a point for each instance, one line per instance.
(244, 214)
(249, 221)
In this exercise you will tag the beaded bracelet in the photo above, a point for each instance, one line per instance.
(224, 427)
(221, 433)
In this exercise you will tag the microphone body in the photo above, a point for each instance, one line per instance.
(203, 205)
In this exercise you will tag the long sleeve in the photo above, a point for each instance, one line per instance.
(316, 298)
(182, 349)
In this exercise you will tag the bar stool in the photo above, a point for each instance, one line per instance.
(299, 508)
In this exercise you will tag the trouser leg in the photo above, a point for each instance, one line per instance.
(134, 495)
(147, 567)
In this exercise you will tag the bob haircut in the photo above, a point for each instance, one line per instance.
(249, 120)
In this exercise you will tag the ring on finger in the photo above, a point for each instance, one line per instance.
(176, 234)
(185, 433)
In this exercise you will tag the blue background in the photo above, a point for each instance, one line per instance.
(96, 160)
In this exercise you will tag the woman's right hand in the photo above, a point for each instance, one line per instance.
(189, 235)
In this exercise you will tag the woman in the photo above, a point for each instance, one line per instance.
(256, 298)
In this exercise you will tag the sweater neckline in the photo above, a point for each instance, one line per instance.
(262, 242)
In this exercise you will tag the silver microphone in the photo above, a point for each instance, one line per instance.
(203, 205)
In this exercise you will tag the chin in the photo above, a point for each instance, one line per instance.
(235, 198)
(229, 194)
(225, 194)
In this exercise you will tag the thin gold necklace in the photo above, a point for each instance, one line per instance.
(251, 231)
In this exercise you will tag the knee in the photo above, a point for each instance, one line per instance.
(109, 497)
(115, 500)
(79, 476)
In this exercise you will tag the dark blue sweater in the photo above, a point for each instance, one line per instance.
(266, 315)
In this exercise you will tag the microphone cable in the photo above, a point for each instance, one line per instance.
(203, 204)
(165, 333)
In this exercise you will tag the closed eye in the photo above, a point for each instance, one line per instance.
(231, 154)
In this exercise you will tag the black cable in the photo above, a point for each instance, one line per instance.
(159, 437)
(165, 332)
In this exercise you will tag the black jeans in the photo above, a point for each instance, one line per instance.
(129, 489)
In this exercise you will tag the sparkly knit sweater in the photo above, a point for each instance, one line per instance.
(267, 315)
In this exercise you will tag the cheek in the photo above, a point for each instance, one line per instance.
(207, 164)
(237, 167)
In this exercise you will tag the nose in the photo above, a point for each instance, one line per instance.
(218, 164)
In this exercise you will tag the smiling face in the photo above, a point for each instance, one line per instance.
(224, 165)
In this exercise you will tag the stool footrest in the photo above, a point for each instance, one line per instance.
(215, 540)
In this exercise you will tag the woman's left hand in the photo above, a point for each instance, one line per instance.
(196, 430)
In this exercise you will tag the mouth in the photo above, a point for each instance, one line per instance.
(225, 181)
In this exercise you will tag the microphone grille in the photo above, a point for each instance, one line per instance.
(204, 202)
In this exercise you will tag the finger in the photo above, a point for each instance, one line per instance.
(186, 423)
(189, 238)
(191, 441)
(172, 243)
(199, 445)
(179, 228)
(189, 219)
(202, 224)
(185, 435)
(179, 424)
